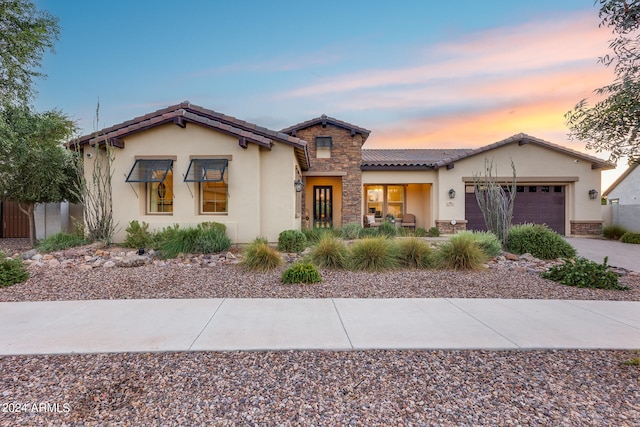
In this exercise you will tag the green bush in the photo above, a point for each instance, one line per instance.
(261, 257)
(460, 252)
(613, 231)
(313, 235)
(369, 232)
(414, 253)
(488, 242)
(301, 272)
(387, 229)
(373, 254)
(540, 241)
(584, 274)
(212, 237)
(329, 252)
(12, 271)
(351, 231)
(60, 241)
(207, 237)
(292, 241)
(434, 232)
(421, 232)
(138, 235)
(630, 237)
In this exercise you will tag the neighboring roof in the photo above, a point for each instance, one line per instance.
(522, 139)
(621, 178)
(406, 159)
(326, 120)
(185, 112)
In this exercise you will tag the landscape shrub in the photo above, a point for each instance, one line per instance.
(207, 237)
(313, 235)
(12, 271)
(260, 256)
(351, 231)
(540, 241)
(583, 273)
(414, 253)
(460, 252)
(613, 231)
(212, 237)
(60, 241)
(373, 254)
(488, 242)
(434, 232)
(329, 252)
(630, 237)
(369, 232)
(138, 235)
(387, 229)
(421, 232)
(301, 272)
(292, 241)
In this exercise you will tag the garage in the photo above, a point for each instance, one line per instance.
(537, 204)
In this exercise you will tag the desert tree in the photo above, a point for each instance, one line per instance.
(496, 200)
(26, 33)
(612, 124)
(34, 166)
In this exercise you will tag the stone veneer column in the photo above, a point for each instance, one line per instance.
(346, 156)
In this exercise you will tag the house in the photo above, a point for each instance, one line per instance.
(185, 164)
(623, 197)
(626, 189)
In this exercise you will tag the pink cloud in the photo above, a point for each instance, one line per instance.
(533, 46)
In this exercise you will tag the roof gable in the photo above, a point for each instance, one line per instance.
(325, 120)
(522, 139)
(185, 112)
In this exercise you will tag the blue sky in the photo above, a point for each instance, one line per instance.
(416, 73)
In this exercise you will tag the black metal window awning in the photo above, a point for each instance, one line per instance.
(147, 170)
(206, 170)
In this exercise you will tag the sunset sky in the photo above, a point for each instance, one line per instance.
(418, 74)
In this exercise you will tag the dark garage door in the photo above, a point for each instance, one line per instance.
(538, 204)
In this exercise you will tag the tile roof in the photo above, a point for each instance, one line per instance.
(324, 119)
(187, 112)
(406, 158)
(435, 158)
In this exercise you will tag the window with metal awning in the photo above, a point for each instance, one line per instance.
(206, 170)
(149, 170)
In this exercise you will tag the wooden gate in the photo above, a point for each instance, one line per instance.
(15, 223)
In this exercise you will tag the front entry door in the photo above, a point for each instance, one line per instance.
(322, 206)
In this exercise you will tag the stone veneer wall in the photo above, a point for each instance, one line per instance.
(445, 227)
(586, 228)
(346, 156)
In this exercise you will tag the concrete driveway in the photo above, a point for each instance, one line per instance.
(620, 254)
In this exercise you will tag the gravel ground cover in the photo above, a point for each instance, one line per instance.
(373, 388)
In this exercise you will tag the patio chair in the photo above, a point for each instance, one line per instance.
(370, 221)
(408, 220)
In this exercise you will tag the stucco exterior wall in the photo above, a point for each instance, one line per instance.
(534, 165)
(254, 208)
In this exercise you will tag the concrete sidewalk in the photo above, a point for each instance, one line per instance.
(332, 324)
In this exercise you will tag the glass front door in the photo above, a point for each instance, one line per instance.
(322, 206)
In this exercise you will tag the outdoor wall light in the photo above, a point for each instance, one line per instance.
(593, 194)
(298, 184)
(452, 194)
